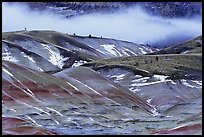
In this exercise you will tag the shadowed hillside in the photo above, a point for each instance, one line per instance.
(188, 47)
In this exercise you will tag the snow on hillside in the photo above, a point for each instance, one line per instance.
(55, 58)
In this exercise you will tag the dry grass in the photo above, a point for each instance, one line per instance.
(174, 65)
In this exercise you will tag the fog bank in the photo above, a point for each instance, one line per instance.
(129, 24)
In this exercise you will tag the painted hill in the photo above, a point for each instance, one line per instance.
(56, 101)
(55, 50)
(55, 83)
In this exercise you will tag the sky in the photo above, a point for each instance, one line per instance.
(132, 24)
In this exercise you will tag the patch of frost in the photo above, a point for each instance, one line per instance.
(149, 100)
(7, 56)
(55, 57)
(172, 82)
(120, 77)
(111, 49)
(144, 79)
(185, 52)
(160, 77)
(40, 69)
(127, 50)
(78, 63)
(142, 50)
(146, 84)
(197, 82)
(134, 89)
(7, 71)
(189, 85)
(31, 59)
(148, 49)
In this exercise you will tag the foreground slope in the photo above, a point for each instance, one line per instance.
(80, 101)
(54, 103)
(116, 93)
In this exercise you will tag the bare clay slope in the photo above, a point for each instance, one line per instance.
(55, 103)
(58, 50)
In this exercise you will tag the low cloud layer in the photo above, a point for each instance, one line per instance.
(131, 24)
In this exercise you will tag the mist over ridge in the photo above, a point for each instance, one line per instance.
(132, 24)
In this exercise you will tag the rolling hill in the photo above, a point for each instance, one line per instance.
(190, 46)
(57, 50)
(58, 84)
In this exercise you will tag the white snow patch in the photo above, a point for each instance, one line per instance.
(144, 79)
(33, 121)
(155, 113)
(138, 76)
(120, 77)
(172, 82)
(142, 50)
(90, 88)
(160, 77)
(54, 111)
(134, 89)
(197, 82)
(148, 49)
(189, 85)
(111, 49)
(91, 119)
(57, 122)
(146, 84)
(185, 52)
(108, 76)
(12, 109)
(78, 63)
(149, 100)
(7, 72)
(30, 58)
(55, 57)
(113, 76)
(125, 51)
(73, 86)
(40, 69)
(7, 56)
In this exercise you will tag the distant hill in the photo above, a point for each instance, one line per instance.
(190, 46)
(165, 9)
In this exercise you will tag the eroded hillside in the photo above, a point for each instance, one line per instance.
(58, 84)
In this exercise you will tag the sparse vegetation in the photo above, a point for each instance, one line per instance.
(176, 66)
